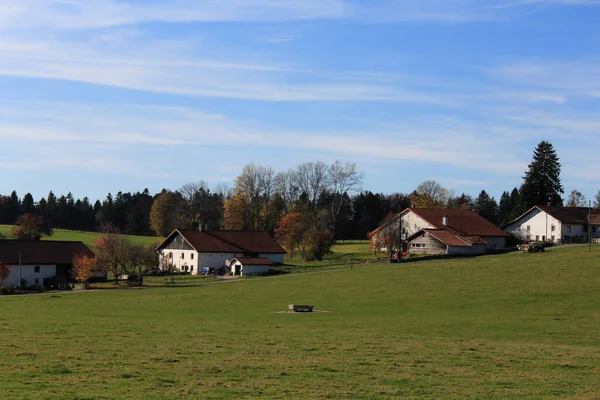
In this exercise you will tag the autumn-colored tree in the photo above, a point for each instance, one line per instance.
(4, 273)
(84, 267)
(165, 215)
(235, 214)
(31, 227)
(289, 233)
(316, 244)
(112, 252)
(430, 194)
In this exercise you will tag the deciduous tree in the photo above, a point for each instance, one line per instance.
(576, 199)
(84, 267)
(31, 227)
(430, 194)
(165, 215)
(112, 252)
(289, 233)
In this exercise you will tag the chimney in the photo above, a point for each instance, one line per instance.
(445, 220)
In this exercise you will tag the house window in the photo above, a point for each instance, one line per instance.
(191, 256)
(537, 237)
(594, 229)
(543, 238)
(36, 282)
(170, 254)
(192, 268)
(182, 256)
(568, 228)
(553, 238)
(423, 245)
(528, 227)
(36, 269)
(553, 228)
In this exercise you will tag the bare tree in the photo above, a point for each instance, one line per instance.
(312, 179)
(222, 189)
(342, 179)
(286, 186)
(576, 199)
(597, 200)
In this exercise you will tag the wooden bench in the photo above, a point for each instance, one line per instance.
(300, 308)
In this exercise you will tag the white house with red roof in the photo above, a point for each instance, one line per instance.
(444, 231)
(557, 224)
(190, 250)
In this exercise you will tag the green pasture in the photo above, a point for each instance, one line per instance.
(86, 237)
(513, 326)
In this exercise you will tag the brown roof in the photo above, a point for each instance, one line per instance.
(596, 219)
(251, 242)
(462, 222)
(41, 252)
(254, 261)
(447, 238)
(228, 241)
(571, 215)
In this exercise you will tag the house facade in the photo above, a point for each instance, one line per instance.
(37, 262)
(443, 231)
(556, 224)
(190, 250)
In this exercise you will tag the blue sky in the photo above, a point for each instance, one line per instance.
(101, 96)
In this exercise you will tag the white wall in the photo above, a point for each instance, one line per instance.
(248, 270)
(28, 273)
(274, 258)
(540, 227)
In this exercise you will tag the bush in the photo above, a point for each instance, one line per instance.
(135, 280)
(9, 290)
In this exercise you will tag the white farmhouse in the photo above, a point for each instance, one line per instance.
(190, 250)
(556, 224)
(443, 231)
(39, 262)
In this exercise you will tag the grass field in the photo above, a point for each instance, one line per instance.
(511, 326)
(86, 237)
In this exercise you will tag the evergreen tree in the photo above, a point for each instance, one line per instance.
(505, 208)
(542, 181)
(28, 204)
(487, 207)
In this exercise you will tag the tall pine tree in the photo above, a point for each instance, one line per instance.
(542, 181)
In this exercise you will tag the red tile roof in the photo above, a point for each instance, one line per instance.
(50, 252)
(254, 261)
(462, 222)
(228, 241)
(447, 238)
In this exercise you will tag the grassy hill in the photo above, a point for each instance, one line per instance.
(86, 237)
(514, 326)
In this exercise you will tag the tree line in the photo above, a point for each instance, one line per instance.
(329, 197)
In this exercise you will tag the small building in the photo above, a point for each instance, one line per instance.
(442, 231)
(190, 250)
(250, 266)
(38, 262)
(556, 224)
(440, 241)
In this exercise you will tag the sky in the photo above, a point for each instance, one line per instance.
(101, 96)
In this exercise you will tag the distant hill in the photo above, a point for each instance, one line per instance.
(86, 237)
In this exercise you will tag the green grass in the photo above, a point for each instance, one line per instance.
(86, 237)
(513, 326)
